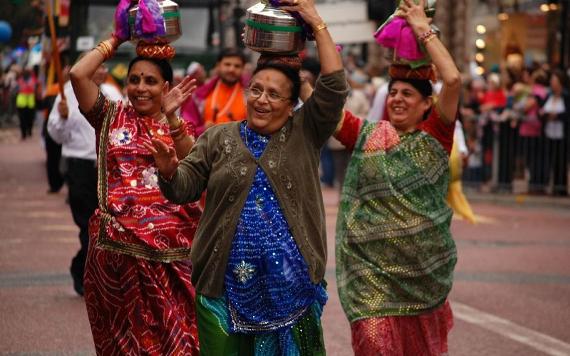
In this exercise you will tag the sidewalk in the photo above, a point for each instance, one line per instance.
(523, 200)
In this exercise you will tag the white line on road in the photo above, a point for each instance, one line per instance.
(506, 328)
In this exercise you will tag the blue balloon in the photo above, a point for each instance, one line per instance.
(5, 32)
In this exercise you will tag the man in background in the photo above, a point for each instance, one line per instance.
(222, 99)
(68, 127)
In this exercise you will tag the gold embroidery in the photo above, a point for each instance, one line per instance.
(103, 241)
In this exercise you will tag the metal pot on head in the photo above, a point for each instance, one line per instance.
(170, 21)
(270, 29)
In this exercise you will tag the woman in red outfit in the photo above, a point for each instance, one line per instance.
(137, 277)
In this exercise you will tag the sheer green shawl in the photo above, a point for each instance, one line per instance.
(394, 251)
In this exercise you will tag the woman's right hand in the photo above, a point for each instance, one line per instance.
(326, 49)
(164, 157)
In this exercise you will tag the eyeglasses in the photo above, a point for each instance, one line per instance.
(271, 96)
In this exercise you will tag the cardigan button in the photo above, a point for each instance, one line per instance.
(215, 249)
(231, 198)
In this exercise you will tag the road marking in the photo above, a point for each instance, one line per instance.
(45, 214)
(480, 219)
(539, 341)
(56, 227)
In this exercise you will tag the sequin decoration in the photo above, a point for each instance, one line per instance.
(244, 271)
(120, 136)
(403, 335)
(150, 177)
(274, 298)
(394, 251)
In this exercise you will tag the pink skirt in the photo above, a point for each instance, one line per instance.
(424, 334)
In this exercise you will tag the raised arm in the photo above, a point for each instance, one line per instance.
(328, 55)
(449, 97)
(81, 74)
(171, 101)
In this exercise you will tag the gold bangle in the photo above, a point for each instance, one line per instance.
(106, 49)
(319, 27)
(100, 51)
(179, 122)
(429, 38)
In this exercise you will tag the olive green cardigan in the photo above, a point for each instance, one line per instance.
(221, 163)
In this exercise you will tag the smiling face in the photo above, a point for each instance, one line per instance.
(268, 113)
(406, 106)
(145, 87)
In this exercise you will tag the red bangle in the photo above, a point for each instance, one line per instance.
(181, 128)
(424, 36)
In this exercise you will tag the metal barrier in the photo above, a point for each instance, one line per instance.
(505, 159)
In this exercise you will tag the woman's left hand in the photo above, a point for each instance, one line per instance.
(164, 157)
(177, 95)
(305, 8)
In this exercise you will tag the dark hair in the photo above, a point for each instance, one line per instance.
(562, 77)
(421, 85)
(311, 65)
(290, 73)
(540, 76)
(231, 52)
(163, 66)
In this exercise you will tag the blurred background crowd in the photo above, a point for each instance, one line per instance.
(514, 56)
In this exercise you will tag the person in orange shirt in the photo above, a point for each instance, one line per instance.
(226, 101)
(222, 99)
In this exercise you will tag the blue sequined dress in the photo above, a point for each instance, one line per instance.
(268, 288)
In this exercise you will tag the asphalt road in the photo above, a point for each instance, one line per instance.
(511, 294)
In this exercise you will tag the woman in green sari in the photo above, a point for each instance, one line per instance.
(394, 251)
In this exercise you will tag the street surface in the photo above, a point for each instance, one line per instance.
(511, 294)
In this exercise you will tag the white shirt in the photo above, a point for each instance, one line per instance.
(75, 134)
(377, 109)
(554, 130)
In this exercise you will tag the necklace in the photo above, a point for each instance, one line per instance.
(256, 139)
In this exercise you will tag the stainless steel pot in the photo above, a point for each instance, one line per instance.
(270, 29)
(171, 14)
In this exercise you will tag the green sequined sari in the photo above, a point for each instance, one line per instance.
(394, 251)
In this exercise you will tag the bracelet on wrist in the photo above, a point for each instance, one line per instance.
(179, 130)
(179, 122)
(106, 49)
(320, 27)
(427, 36)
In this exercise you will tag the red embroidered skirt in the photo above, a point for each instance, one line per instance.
(136, 306)
(424, 334)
